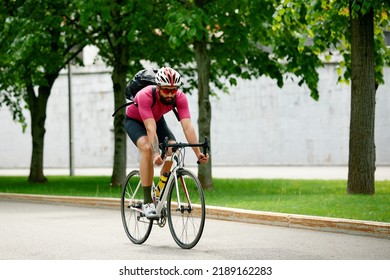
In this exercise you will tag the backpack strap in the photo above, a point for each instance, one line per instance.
(132, 102)
(176, 113)
(120, 107)
(154, 96)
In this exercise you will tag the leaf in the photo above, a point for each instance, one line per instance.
(233, 81)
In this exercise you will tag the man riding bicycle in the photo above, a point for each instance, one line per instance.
(146, 127)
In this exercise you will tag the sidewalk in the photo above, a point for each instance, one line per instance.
(267, 172)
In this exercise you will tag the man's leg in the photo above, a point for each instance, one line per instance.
(146, 167)
(137, 133)
(146, 170)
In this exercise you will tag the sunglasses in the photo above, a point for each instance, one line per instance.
(168, 90)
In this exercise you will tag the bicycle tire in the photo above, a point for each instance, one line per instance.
(136, 225)
(186, 221)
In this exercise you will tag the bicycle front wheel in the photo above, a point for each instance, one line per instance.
(186, 209)
(136, 225)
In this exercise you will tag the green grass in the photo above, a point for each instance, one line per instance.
(309, 197)
(326, 198)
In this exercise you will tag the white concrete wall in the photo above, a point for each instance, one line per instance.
(257, 124)
(287, 127)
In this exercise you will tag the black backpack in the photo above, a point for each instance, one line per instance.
(143, 78)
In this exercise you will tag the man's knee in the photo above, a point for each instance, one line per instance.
(144, 145)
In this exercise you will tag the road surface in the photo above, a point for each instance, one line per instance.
(33, 231)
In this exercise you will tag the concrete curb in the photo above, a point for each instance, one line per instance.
(336, 225)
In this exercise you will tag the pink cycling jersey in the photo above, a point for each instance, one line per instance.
(144, 109)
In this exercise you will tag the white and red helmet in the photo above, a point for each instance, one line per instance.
(166, 76)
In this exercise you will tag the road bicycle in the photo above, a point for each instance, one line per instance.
(181, 201)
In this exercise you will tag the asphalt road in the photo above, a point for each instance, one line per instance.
(33, 231)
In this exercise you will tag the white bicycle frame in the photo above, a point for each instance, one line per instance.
(177, 163)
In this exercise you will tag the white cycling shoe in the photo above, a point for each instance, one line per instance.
(149, 210)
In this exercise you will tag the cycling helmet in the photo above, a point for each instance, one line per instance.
(166, 76)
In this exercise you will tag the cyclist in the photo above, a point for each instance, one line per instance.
(146, 127)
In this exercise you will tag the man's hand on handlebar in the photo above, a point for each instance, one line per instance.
(157, 160)
(202, 155)
(202, 158)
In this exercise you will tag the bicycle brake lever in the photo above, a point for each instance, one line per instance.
(205, 147)
(164, 147)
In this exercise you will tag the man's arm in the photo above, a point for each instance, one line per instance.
(150, 125)
(190, 134)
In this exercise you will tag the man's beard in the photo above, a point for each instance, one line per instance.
(167, 102)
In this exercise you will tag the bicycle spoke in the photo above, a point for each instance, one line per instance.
(189, 229)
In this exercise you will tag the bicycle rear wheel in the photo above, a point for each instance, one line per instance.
(136, 225)
(186, 209)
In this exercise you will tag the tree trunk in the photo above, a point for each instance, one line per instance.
(37, 106)
(361, 174)
(204, 119)
(119, 169)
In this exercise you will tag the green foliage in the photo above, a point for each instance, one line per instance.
(236, 33)
(310, 32)
(35, 44)
(185, 25)
(127, 33)
(14, 101)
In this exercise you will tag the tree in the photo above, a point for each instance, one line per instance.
(126, 32)
(217, 32)
(355, 30)
(361, 164)
(36, 45)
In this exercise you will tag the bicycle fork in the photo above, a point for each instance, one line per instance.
(180, 206)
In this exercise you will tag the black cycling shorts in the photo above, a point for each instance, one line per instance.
(136, 129)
